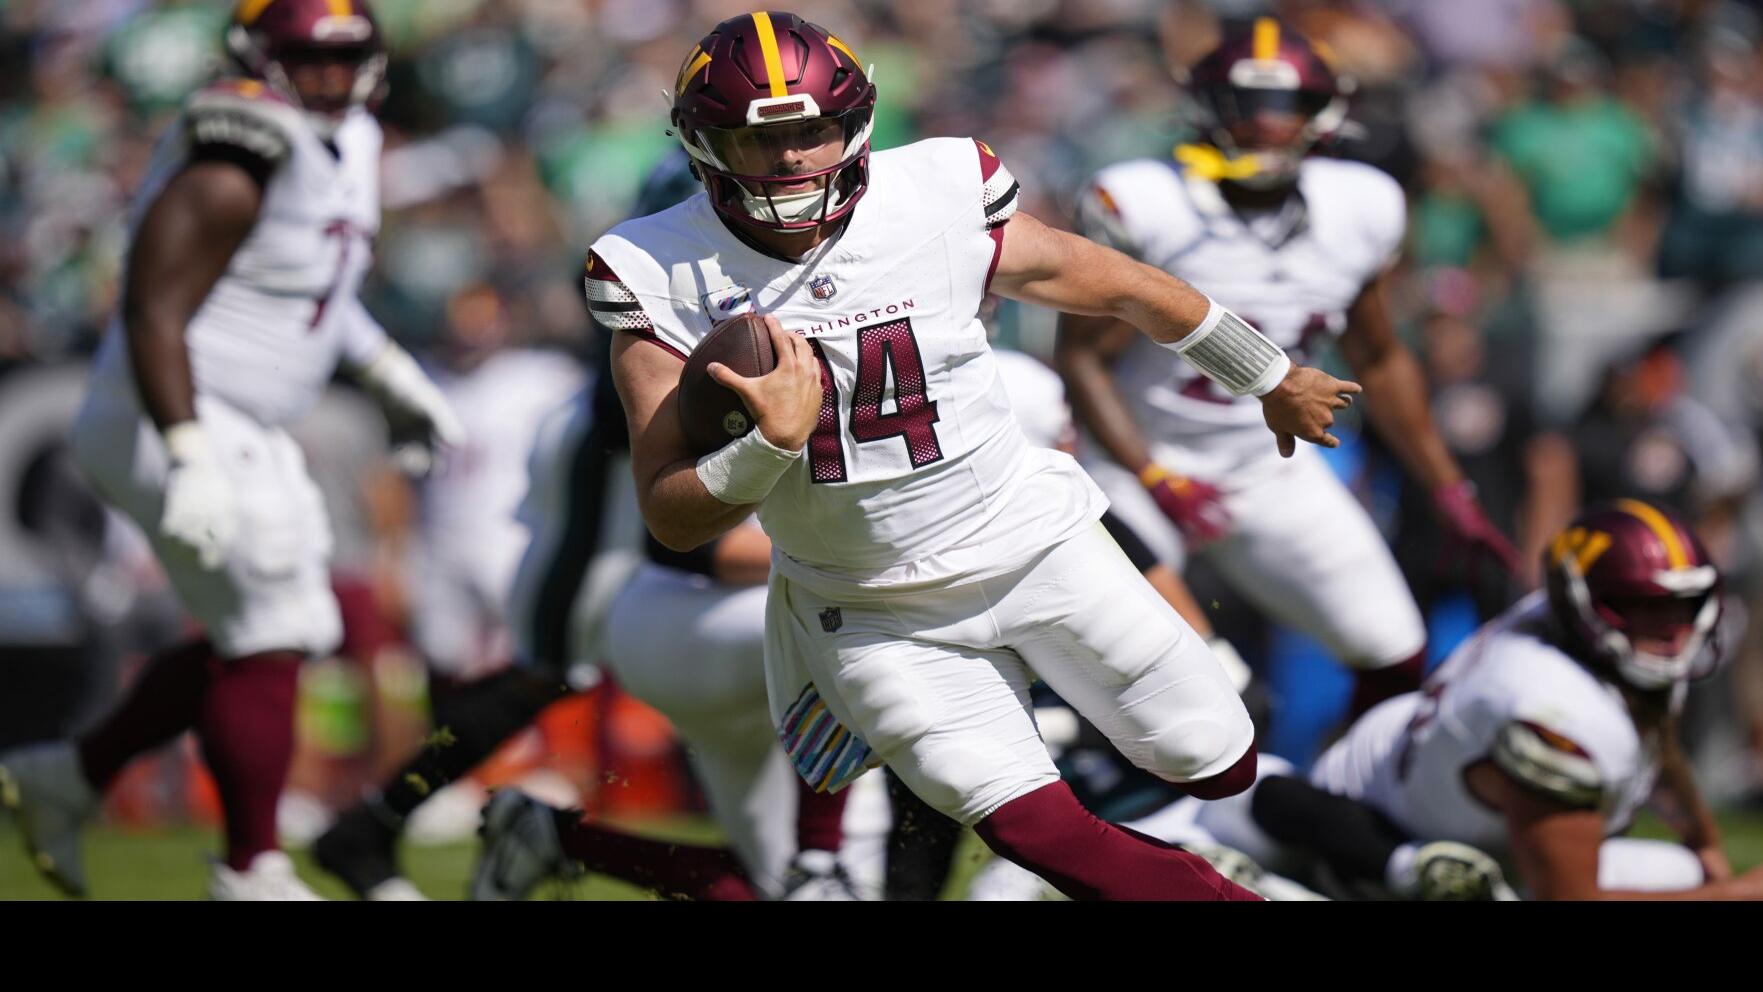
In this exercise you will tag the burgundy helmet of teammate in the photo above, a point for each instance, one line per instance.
(759, 87)
(270, 38)
(1635, 590)
(1262, 75)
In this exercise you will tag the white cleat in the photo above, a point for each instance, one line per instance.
(271, 878)
(1447, 871)
(46, 790)
(395, 889)
(817, 876)
(1002, 880)
(521, 848)
(1248, 873)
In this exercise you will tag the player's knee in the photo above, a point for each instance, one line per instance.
(1194, 748)
(1233, 780)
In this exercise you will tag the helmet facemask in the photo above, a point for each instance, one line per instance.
(356, 45)
(1257, 89)
(1686, 601)
(739, 165)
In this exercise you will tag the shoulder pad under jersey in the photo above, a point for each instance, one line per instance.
(1548, 763)
(244, 113)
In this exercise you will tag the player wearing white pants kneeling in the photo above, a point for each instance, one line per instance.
(1538, 741)
(692, 645)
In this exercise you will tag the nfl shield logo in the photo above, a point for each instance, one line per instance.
(831, 619)
(822, 287)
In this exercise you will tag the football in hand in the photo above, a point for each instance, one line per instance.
(710, 412)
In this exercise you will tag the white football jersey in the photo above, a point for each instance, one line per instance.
(469, 502)
(918, 475)
(1037, 397)
(1292, 273)
(267, 338)
(1510, 696)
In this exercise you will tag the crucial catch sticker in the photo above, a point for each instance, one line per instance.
(721, 304)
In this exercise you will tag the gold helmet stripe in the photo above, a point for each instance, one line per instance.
(250, 10)
(1674, 551)
(774, 66)
(1266, 38)
(341, 8)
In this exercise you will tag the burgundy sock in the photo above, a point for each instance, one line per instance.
(1374, 685)
(163, 703)
(676, 871)
(247, 735)
(820, 818)
(1050, 833)
(1229, 782)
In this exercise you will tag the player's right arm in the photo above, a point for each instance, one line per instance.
(673, 486)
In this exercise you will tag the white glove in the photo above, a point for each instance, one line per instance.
(403, 389)
(200, 512)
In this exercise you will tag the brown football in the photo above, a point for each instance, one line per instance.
(711, 413)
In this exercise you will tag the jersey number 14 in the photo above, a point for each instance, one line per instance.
(880, 348)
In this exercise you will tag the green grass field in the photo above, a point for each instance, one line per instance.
(172, 864)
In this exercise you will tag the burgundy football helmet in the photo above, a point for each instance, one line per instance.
(760, 84)
(266, 37)
(1264, 68)
(1626, 565)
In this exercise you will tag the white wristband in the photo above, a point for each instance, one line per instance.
(1233, 354)
(746, 469)
(187, 442)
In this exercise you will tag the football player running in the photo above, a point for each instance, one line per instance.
(1537, 740)
(1301, 247)
(251, 234)
(927, 561)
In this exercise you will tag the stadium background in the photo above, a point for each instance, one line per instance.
(1583, 280)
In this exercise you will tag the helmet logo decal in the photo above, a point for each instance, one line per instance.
(1585, 546)
(774, 63)
(833, 40)
(1657, 523)
(695, 61)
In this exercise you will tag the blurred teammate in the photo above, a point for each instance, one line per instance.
(927, 561)
(1301, 246)
(1538, 740)
(686, 635)
(251, 233)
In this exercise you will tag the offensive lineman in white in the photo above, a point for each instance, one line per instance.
(1539, 738)
(926, 558)
(1300, 246)
(252, 231)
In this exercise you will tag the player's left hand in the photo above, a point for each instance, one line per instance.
(1469, 525)
(408, 394)
(1302, 408)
